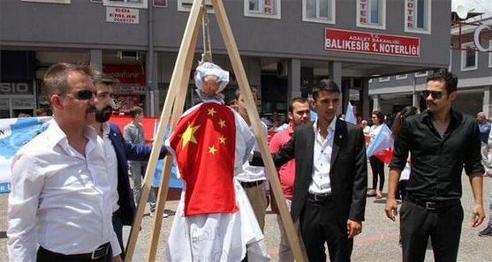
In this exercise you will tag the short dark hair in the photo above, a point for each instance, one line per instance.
(327, 85)
(379, 115)
(448, 78)
(104, 79)
(301, 100)
(237, 94)
(56, 77)
(136, 110)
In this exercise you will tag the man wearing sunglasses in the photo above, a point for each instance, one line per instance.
(117, 152)
(60, 207)
(441, 142)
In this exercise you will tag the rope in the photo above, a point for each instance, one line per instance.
(207, 50)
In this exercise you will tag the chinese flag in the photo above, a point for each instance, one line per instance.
(205, 146)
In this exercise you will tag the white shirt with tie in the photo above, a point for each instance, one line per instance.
(323, 147)
(60, 199)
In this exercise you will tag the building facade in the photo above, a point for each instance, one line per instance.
(286, 46)
(470, 61)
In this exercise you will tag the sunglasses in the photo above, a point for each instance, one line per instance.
(84, 94)
(433, 94)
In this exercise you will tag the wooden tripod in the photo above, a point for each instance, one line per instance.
(174, 104)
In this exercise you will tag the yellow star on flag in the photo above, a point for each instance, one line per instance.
(222, 123)
(211, 112)
(189, 135)
(212, 150)
(222, 139)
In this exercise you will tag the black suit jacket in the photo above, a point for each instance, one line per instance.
(124, 152)
(348, 172)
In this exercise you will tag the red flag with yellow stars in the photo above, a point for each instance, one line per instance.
(205, 146)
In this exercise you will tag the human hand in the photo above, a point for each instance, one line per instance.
(353, 228)
(478, 215)
(117, 259)
(391, 208)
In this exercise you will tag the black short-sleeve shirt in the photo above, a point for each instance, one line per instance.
(437, 162)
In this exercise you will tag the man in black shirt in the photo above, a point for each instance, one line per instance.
(441, 142)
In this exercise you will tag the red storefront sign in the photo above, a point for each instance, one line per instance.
(371, 43)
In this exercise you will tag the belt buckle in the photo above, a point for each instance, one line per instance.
(430, 205)
(100, 252)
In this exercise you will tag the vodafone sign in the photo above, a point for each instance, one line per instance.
(371, 43)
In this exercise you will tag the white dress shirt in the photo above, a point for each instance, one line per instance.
(112, 165)
(251, 173)
(60, 199)
(323, 147)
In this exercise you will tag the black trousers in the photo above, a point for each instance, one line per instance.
(44, 255)
(321, 222)
(417, 224)
(377, 167)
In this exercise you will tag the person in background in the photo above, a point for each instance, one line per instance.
(405, 173)
(366, 130)
(42, 111)
(117, 152)
(441, 142)
(253, 178)
(134, 133)
(377, 166)
(484, 126)
(298, 115)
(60, 206)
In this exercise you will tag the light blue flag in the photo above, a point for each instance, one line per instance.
(350, 115)
(14, 133)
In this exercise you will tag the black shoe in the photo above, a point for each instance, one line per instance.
(487, 232)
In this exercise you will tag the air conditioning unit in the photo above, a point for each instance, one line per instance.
(185, 5)
(133, 55)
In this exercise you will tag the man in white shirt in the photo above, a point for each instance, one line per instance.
(60, 206)
(253, 178)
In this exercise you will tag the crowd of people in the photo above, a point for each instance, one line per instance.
(71, 192)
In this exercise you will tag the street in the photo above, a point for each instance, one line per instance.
(378, 241)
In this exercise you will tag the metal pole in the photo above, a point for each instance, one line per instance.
(150, 63)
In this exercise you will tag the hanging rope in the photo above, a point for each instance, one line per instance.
(207, 50)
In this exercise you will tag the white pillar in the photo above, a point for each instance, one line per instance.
(486, 101)
(96, 59)
(335, 71)
(294, 79)
(375, 103)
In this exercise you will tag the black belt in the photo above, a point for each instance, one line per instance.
(320, 197)
(101, 251)
(433, 205)
(251, 184)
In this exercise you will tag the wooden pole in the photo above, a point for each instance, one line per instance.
(178, 75)
(245, 89)
(179, 102)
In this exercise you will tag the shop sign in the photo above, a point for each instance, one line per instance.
(371, 43)
(16, 88)
(27, 102)
(476, 38)
(122, 15)
(131, 78)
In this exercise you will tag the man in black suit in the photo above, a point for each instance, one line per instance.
(331, 178)
(118, 152)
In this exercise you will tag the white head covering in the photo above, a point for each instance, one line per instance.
(206, 69)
